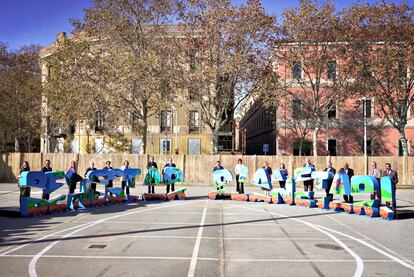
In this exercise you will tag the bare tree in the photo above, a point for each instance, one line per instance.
(20, 88)
(228, 49)
(387, 63)
(318, 63)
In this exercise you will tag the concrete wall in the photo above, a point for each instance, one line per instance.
(198, 169)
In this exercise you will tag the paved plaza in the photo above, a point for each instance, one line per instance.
(201, 237)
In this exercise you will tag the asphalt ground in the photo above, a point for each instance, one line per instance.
(200, 237)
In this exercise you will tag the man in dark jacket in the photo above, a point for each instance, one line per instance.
(46, 168)
(170, 164)
(329, 168)
(151, 164)
(350, 172)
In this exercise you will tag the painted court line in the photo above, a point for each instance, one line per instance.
(360, 264)
(371, 240)
(32, 264)
(150, 223)
(361, 241)
(190, 258)
(193, 264)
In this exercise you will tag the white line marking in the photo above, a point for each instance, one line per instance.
(215, 238)
(32, 264)
(193, 264)
(112, 257)
(360, 265)
(371, 240)
(400, 261)
(152, 223)
(199, 258)
(42, 238)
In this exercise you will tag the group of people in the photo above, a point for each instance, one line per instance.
(73, 177)
(308, 185)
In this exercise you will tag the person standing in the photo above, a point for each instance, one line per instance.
(284, 173)
(93, 184)
(308, 185)
(170, 164)
(72, 176)
(219, 167)
(24, 190)
(267, 168)
(124, 179)
(46, 168)
(329, 168)
(377, 174)
(237, 168)
(394, 181)
(110, 182)
(350, 172)
(151, 164)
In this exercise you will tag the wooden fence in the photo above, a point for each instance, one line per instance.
(198, 168)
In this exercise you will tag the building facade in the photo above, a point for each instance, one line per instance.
(288, 130)
(178, 129)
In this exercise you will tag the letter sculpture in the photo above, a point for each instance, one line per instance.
(221, 178)
(243, 176)
(152, 179)
(284, 195)
(262, 179)
(304, 198)
(174, 175)
(30, 206)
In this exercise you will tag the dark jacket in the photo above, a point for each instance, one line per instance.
(217, 168)
(152, 164)
(46, 169)
(170, 165)
(268, 170)
(393, 174)
(350, 172)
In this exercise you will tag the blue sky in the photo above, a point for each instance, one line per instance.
(24, 22)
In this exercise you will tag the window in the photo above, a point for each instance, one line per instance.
(99, 122)
(225, 143)
(331, 70)
(194, 146)
(297, 106)
(194, 123)
(368, 108)
(367, 105)
(165, 146)
(366, 70)
(297, 70)
(402, 70)
(165, 121)
(332, 147)
(332, 112)
(305, 150)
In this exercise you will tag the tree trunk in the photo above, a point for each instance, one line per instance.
(16, 145)
(215, 141)
(144, 127)
(300, 147)
(29, 145)
(315, 141)
(403, 141)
